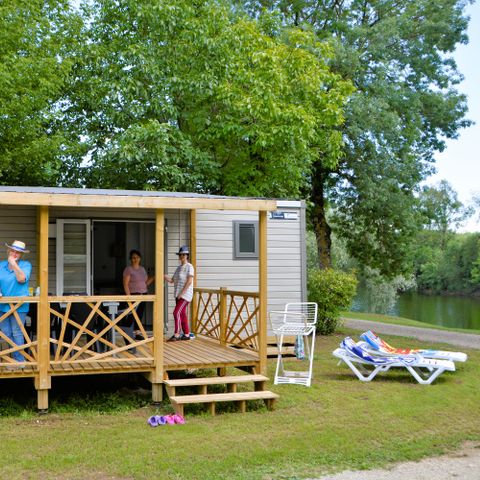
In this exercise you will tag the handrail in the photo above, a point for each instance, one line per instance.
(19, 299)
(79, 298)
(227, 291)
(101, 298)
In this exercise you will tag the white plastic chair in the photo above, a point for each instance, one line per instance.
(298, 319)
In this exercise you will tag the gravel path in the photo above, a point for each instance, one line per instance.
(466, 340)
(461, 465)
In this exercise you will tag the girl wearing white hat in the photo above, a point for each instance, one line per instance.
(14, 277)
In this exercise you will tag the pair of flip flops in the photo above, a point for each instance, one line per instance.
(156, 420)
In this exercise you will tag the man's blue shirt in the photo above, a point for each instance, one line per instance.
(10, 287)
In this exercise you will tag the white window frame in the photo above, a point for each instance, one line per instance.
(237, 254)
(60, 253)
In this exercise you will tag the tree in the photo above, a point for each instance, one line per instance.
(190, 96)
(33, 73)
(448, 267)
(442, 209)
(398, 56)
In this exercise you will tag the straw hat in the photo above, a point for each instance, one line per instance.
(18, 246)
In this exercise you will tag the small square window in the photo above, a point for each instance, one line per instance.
(245, 239)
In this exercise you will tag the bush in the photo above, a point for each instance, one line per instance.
(333, 291)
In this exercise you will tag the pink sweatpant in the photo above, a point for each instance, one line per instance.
(180, 316)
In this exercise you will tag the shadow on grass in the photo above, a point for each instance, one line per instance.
(100, 394)
(79, 394)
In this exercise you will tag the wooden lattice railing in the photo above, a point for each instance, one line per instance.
(96, 330)
(232, 317)
(29, 348)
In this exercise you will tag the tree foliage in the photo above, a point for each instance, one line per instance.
(441, 208)
(191, 96)
(342, 102)
(333, 291)
(453, 267)
(34, 69)
(398, 56)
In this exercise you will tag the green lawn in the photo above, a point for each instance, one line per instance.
(336, 424)
(380, 317)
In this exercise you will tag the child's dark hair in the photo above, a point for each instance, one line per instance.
(134, 252)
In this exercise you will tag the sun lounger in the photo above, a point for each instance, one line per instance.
(366, 366)
(377, 344)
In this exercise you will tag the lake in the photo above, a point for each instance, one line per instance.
(447, 311)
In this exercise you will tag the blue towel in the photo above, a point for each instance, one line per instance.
(299, 348)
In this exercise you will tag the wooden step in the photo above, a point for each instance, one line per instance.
(186, 382)
(212, 398)
(287, 351)
(203, 382)
(287, 339)
(288, 347)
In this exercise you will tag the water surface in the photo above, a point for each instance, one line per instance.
(447, 311)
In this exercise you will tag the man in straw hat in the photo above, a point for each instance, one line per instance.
(14, 277)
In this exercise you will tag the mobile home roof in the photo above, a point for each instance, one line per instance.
(67, 197)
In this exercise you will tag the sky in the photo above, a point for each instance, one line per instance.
(459, 163)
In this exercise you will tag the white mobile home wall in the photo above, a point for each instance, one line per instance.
(216, 265)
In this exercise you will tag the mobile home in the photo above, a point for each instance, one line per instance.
(249, 258)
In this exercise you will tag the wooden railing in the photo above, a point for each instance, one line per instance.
(95, 330)
(29, 348)
(230, 316)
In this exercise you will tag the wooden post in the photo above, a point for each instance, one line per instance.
(158, 312)
(193, 261)
(222, 312)
(43, 379)
(263, 292)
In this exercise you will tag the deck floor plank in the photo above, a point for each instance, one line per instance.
(192, 354)
(182, 355)
(196, 352)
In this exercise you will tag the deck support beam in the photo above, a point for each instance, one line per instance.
(263, 289)
(43, 380)
(158, 310)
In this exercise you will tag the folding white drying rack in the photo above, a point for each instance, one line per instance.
(298, 319)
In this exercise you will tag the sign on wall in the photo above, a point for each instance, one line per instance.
(279, 215)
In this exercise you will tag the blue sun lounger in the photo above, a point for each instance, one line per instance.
(366, 366)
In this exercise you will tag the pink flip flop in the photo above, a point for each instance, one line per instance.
(169, 419)
(178, 419)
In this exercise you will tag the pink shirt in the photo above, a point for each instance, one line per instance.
(138, 279)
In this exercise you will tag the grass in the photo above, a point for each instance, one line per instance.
(96, 430)
(379, 317)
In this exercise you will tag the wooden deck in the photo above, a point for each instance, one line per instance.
(200, 353)
(81, 336)
(182, 355)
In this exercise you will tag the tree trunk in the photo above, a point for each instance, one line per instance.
(319, 220)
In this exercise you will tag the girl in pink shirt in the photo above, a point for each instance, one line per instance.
(136, 280)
